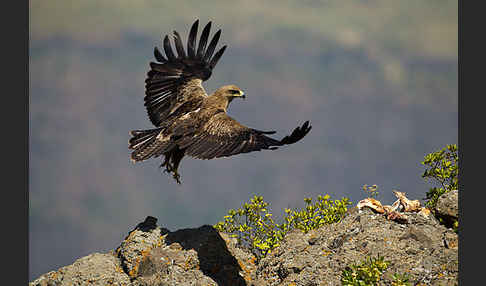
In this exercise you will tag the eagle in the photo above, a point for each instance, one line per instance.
(188, 121)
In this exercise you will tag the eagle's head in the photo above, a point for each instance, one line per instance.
(230, 91)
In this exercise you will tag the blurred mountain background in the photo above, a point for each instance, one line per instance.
(377, 79)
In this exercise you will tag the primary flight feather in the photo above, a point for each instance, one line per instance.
(188, 121)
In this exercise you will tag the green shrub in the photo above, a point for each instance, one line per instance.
(441, 167)
(400, 280)
(324, 211)
(367, 273)
(254, 227)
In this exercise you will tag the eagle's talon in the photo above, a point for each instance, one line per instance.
(169, 168)
(177, 177)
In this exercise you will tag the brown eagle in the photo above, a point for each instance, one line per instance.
(189, 121)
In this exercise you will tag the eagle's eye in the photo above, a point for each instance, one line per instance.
(234, 91)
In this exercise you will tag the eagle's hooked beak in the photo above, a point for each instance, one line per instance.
(243, 95)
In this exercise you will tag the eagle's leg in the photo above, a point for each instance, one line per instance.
(168, 166)
(176, 158)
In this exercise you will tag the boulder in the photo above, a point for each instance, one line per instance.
(448, 205)
(98, 269)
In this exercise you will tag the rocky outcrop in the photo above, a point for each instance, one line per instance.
(150, 255)
(94, 269)
(421, 248)
(447, 207)
(199, 256)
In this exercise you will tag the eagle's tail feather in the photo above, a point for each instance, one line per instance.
(144, 143)
(138, 136)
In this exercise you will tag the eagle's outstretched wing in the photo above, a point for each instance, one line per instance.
(222, 136)
(175, 81)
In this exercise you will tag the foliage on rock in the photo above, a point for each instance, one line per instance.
(254, 227)
(366, 273)
(401, 280)
(443, 169)
(369, 272)
(442, 166)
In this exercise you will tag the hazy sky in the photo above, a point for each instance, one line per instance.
(376, 79)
